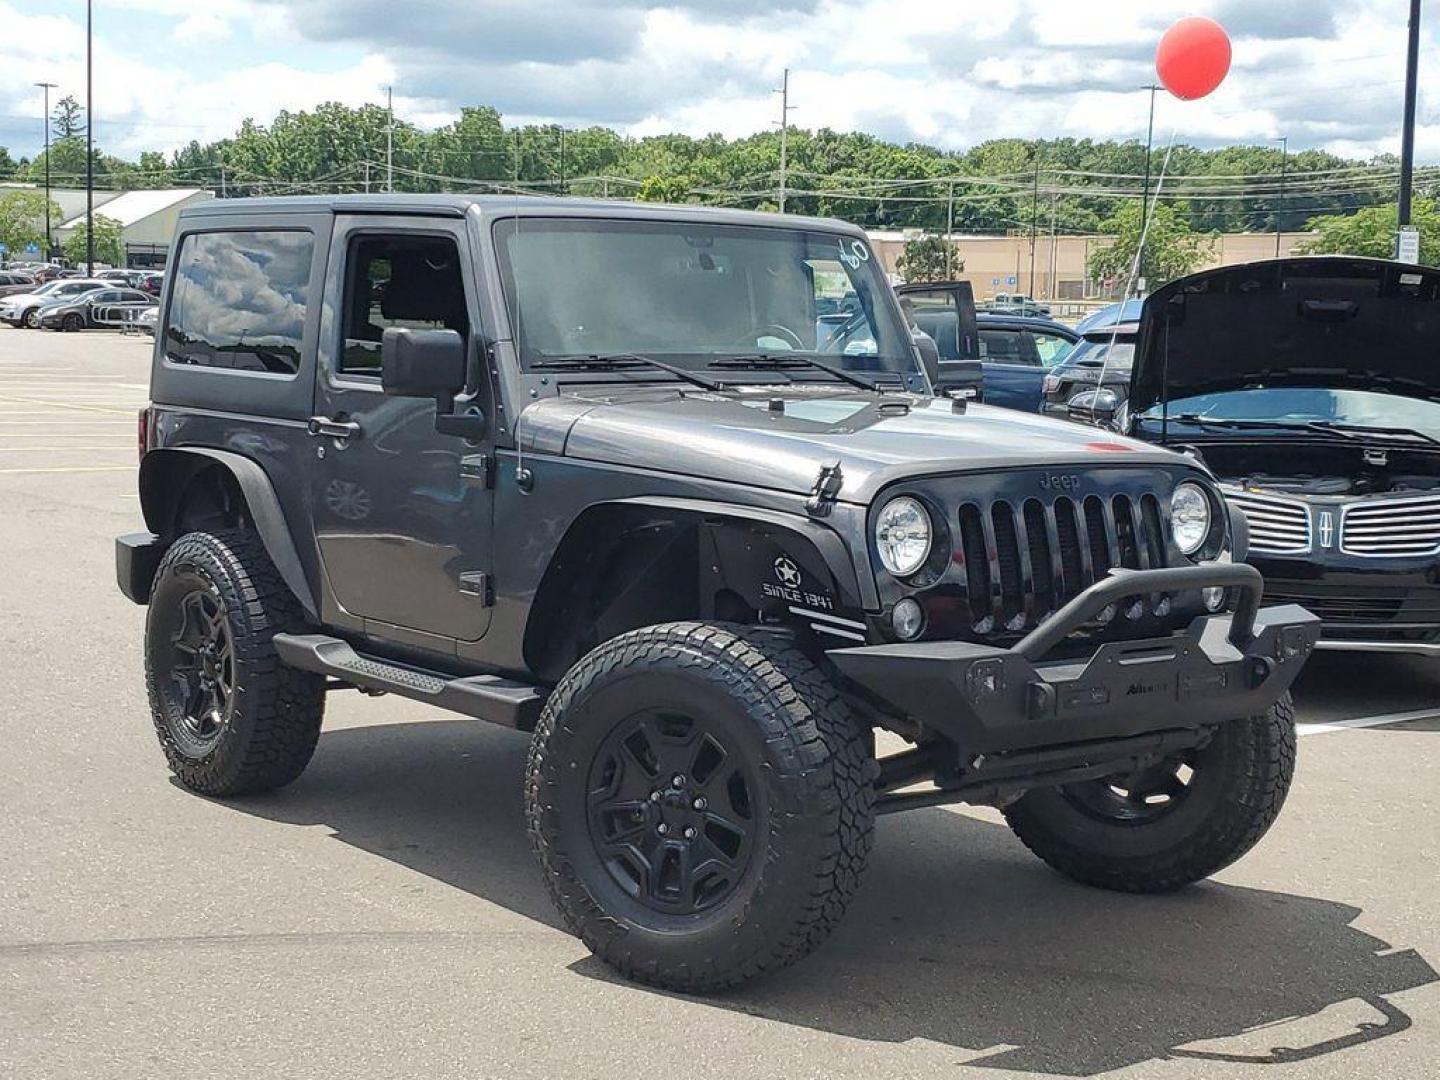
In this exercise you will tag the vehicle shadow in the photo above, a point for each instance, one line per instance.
(959, 936)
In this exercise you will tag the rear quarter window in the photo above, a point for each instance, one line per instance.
(239, 301)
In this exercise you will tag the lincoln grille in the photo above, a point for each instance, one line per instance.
(1393, 528)
(1024, 559)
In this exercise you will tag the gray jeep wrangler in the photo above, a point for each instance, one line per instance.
(667, 487)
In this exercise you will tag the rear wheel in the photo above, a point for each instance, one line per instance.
(1172, 824)
(701, 803)
(230, 717)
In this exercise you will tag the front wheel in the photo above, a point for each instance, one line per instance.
(701, 802)
(1174, 823)
(74, 322)
(31, 319)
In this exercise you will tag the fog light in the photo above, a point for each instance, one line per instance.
(1214, 599)
(908, 619)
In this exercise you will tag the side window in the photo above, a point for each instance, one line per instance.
(240, 300)
(400, 280)
(1002, 346)
(1052, 349)
(936, 314)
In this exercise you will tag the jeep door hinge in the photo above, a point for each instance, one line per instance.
(478, 470)
(826, 490)
(478, 584)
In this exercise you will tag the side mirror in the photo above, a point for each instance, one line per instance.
(422, 363)
(1097, 407)
(929, 355)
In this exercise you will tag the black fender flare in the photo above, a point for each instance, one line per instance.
(164, 467)
(827, 544)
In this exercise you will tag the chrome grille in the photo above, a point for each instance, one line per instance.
(1278, 526)
(1025, 559)
(1393, 527)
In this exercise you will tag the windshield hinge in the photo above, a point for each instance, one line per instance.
(826, 489)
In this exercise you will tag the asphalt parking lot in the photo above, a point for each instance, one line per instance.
(382, 918)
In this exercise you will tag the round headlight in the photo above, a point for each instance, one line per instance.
(1190, 517)
(902, 536)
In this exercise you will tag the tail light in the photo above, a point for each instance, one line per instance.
(142, 432)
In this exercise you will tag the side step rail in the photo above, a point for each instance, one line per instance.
(485, 697)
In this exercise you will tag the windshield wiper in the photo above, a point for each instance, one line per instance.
(781, 361)
(620, 361)
(1362, 431)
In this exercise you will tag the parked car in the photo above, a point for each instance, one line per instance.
(150, 282)
(1127, 312)
(13, 282)
(146, 320)
(1310, 387)
(1015, 304)
(1016, 353)
(588, 471)
(23, 309)
(88, 310)
(1097, 367)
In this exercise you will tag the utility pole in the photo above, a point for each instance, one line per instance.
(517, 156)
(223, 192)
(367, 177)
(784, 93)
(89, 139)
(949, 230)
(562, 161)
(47, 87)
(1407, 136)
(390, 139)
(1034, 220)
(1054, 258)
(1284, 142)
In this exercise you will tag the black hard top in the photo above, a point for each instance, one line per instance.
(505, 205)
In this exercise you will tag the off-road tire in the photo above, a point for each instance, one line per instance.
(275, 714)
(817, 771)
(1240, 784)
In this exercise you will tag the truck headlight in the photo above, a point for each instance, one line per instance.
(903, 536)
(1190, 517)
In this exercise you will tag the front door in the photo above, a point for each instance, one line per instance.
(402, 513)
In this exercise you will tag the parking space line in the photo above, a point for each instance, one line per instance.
(1327, 726)
(65, 405)
(70, 469)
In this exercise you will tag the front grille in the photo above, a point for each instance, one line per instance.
(1334, 605)
(1278, 526)
(1025, 559)
(1393, 527)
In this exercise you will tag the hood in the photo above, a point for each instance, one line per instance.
(1329, 322)
(781, 437)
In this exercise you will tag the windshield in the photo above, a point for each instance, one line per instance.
(691, 294)
(1305, 405)
(1119, 355)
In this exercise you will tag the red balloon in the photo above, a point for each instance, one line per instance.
(1193, 58)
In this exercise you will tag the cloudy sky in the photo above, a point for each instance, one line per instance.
(1325, 73)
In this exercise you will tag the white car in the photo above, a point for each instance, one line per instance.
(23, 309)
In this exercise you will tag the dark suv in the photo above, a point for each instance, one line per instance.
(607, 473)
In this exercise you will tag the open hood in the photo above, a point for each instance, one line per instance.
(1330, 322)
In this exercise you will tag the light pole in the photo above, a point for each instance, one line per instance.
(1149, 143)
(47, 87)
(89, 140)
(1407, 136)
(1284, 142)
(785, 108)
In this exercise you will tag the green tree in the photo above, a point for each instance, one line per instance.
(108, 246)
(1172, 248)
(929, 258)
(1372, 232)
(68, 119)
(22, 219)
(666, 189)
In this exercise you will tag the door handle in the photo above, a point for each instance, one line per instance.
(327, 427)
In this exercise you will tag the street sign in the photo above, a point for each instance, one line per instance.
(32, 249)
(1407, 248)
(1011, 280)
(994, 281)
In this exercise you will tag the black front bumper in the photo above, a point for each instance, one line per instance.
(990, 700)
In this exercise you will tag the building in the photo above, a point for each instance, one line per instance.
(147, 220)
(996, 264)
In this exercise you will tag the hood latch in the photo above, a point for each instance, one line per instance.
(826, 490)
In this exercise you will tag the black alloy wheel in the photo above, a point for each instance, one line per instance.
(74, 321)
(1140, 797)
(200, 682)
(672, 811)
